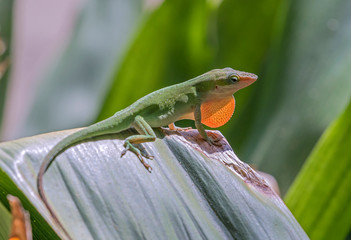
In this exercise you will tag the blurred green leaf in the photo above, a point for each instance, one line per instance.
(190, 193)
(305, 85)
(182, 39)
(5, 222)
(5, 49)
(247, 30)
(320, 196)
(170, 47)
(71, 92)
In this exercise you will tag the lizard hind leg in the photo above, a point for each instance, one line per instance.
(133, 143)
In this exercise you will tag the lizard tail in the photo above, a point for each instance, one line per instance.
(50, 157)
(92, 131)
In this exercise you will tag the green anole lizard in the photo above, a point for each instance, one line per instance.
(207, 99)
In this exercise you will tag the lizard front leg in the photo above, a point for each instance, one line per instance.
(200, 127)
(146, 135)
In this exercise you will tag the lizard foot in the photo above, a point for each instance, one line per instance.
(215, 141)
(179, 129)
(147, 166)
(143, 151)
(139, 151)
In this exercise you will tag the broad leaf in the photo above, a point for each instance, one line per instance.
(194, 191)
(320, 196)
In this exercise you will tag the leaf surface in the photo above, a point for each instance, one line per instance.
(194, 191)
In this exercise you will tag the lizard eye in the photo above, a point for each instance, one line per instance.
(234, 78)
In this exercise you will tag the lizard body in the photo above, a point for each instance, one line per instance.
(207, 99)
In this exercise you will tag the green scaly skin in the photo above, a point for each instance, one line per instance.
(160, 108)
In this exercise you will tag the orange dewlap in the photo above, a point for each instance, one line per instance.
(217, 113)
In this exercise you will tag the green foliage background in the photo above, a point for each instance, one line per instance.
(299, 49)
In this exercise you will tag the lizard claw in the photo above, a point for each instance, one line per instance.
(148, 156)
(147, 166)
(123, 153)
(149, 169)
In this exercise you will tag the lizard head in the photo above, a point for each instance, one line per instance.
(222, 83)
(225, 82)
(215, 91)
